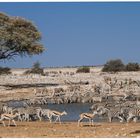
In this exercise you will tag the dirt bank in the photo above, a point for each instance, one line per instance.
(70, 129)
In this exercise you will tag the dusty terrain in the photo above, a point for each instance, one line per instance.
(19, 87)
(61, 77)
(70, 129)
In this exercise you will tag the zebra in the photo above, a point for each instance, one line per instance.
(21, 112)
(33, 111)
(111, 113)
(133, 113)
(45, 112)
(7, 109)
(27, 112)
(1, 107)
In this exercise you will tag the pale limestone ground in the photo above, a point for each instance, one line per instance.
(95, 76)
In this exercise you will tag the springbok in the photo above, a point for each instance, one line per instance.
(57, 114)
(8, 117)
(88, 116)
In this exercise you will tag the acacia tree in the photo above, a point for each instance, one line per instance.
(18, 37)
(114, 66)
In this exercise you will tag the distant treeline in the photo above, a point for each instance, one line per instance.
(117, 65)
(110, 66)
(75, 66)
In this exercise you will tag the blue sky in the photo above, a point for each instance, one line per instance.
(80, 33)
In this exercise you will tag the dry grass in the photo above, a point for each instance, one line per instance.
(70, 129)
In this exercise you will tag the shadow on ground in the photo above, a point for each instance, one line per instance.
(12, 86)
(88, 125)
(135, 132)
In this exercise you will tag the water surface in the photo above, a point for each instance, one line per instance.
(73, 110)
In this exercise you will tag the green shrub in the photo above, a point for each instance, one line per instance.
(83, 69)
(5, 70)
(132, 67)
(27, 72)
(35, 69)
(114, 66)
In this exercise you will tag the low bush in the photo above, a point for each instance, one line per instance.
(36, 69)
(5, 70)
(132, 67)
(114, 66)
(83, 69)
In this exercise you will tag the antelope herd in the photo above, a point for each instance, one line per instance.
(28, 113)
(114, 96)
(124, 113)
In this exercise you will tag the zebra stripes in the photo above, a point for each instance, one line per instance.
(46, 112)
(111, 113)
(133, 113)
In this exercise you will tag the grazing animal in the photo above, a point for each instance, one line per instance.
(57, 114)
(31, 112)
(9, 117)
(88, 116)
(7, 109)
(21, 112)
(46, 112)
(133, 113)
(111, 113)
(26, 113)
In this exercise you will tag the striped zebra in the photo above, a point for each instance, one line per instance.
(46, 113)
(1, 107)
(7, 109)
(21, 112)
(33, 111)
(29, 112)
(133, 113)
(111, 113)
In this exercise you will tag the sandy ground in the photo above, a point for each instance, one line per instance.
(70, 129)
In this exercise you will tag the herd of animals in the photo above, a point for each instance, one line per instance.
(87, 92)
(125, 112)
(28, 113)
(125, 109)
